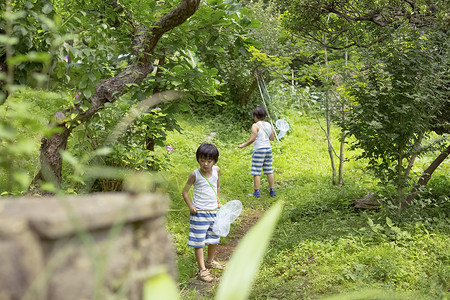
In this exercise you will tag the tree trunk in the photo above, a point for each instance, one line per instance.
(108, 90)
(327, 113)
(344, 132)
(248, 93)
(4, 67)
(401, 180)
(417, 144)
(341, 159)
(150, 139)
(330, 147)
(426, 175)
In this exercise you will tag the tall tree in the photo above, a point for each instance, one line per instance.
(403, 90)
(112, 51)
(145, 38)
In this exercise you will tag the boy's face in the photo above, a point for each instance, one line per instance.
(206, 164)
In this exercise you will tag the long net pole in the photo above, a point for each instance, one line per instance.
(265, 105)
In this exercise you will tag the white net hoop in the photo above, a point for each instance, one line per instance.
(226, 215)
(283, 126)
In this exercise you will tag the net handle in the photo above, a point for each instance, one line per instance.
(181, 210)
(262, 96)
(260, 126)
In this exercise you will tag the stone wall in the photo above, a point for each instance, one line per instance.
(100, 246)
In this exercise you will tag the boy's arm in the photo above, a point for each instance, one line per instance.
(189, 183)
(218, 187)
(252, 138)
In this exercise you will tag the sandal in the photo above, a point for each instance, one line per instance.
(205, 276)
(213, 265)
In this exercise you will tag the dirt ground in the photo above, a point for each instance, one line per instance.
(224, 251)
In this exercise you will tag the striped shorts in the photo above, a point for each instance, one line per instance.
(200, 230)
(262, 159)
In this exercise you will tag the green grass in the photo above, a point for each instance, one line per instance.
(321, 246)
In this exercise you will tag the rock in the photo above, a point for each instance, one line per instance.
(367, 202)
(82, 247)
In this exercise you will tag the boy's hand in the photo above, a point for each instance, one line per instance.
(219, 205)
(193, 209)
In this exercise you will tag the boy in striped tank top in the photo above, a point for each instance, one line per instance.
(261, 135)
(205, 180)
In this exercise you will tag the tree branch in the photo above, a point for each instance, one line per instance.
(108, 90)
(426, 175)
(374, 17)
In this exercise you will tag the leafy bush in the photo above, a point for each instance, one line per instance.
(25, 119)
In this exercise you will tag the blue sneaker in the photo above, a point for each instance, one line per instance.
(254, 194)
(272, 193)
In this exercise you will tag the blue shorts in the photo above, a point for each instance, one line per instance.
(262, 159)
(200, 229)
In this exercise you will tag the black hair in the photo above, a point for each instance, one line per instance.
(208, 151)
(259, 112)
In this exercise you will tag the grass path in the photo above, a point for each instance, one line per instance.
(202, 290)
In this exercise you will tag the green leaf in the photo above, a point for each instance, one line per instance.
(31, 56)
(18, 29)
(161, 286)
(218, 48)
(14, 16)
(22, 178)
(7, 132)
(102, 151)
(178, 69)
(8, 40)
(69, 158)
(87, 93)
(25, 147)
(47, 8)
(48, 186)
(28, 4)
(39, 77)
(49, 23)
(184, 107)
(243, 51)
(239, 275)
(389, 222)
(92, 76)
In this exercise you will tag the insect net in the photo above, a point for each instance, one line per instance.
(226, 215)
(282, 126)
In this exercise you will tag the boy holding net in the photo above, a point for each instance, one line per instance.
(205, 180)
(261, 135)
